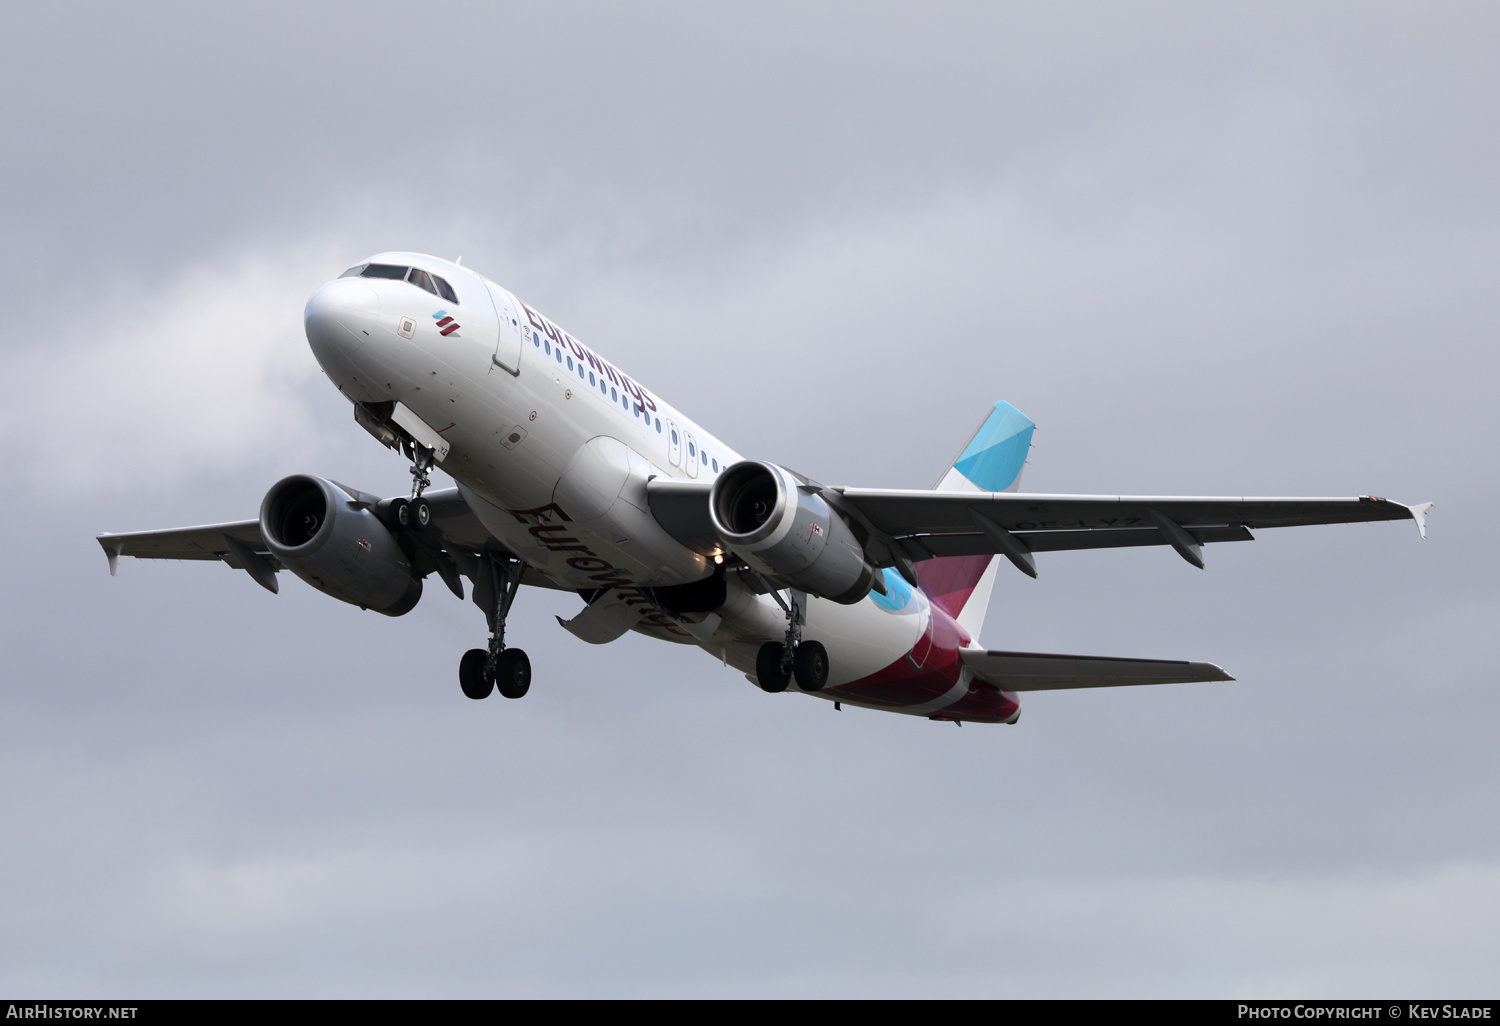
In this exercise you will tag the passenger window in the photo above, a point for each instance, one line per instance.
(691, 451)
(559, 354)
(570, 363)
(445, 290)
(536, 340)
(384, 271)
(548, 346)
(705, 458)
(674, 437)
(354, 272)
(591, 378)
(658, 425)
(613, 394)
(716, 466)
(422, 280)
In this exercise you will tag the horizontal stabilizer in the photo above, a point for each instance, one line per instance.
(1040, 671)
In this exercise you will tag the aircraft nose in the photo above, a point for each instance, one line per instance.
(340, 316)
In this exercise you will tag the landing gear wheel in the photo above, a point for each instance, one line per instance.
(768, 672)
(810, 664)
(471, 675)
(419, 513)
(506, 669)
(398, 516)
(512, 673)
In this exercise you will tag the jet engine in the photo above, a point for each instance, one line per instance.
(324, 536)
(788, 532)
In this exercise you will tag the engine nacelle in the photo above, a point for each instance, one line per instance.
(779, 529)
(344, 551)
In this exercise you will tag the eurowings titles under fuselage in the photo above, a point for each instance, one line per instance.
(571, 474)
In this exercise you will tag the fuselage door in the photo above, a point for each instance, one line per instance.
(674, 445)
(508, 344)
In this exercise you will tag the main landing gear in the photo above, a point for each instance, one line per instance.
(481, 670)
(778, 662)
(506, 670)
(414, 512)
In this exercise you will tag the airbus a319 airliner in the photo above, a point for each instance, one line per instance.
(572, 475)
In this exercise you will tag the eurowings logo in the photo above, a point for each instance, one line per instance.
(448, 325)
(898, 593)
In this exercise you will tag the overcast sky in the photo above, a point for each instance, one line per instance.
(1211, 249)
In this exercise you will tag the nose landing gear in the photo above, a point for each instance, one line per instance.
(409, 513)
(498, 668)
(414, 512)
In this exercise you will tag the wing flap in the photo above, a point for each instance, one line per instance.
(932, 545)
(1041, 671)
(901, 512)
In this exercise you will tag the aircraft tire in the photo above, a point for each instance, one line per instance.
(768, 668)
(420, 514)
(513, 673)
(471, 675)
(810, 665)
(398, 515)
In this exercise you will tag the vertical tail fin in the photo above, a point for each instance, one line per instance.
(991, 462)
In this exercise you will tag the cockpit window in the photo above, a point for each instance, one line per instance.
(422, 279)
(384, 271)
(415, 275)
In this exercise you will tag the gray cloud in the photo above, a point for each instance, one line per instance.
(1222, 251)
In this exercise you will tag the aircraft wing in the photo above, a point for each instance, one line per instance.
(206, 542)
(910, 525)
(909, 511)
(454, 529)
(1039, 671)
(452, 520)
(923, 524)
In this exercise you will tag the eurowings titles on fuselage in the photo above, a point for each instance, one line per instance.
(571, 475)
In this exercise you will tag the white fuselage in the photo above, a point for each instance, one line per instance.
(552, 446)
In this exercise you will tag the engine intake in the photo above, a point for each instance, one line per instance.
(762, 516)
(344, 551)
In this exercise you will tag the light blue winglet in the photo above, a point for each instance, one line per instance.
(994, 457)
